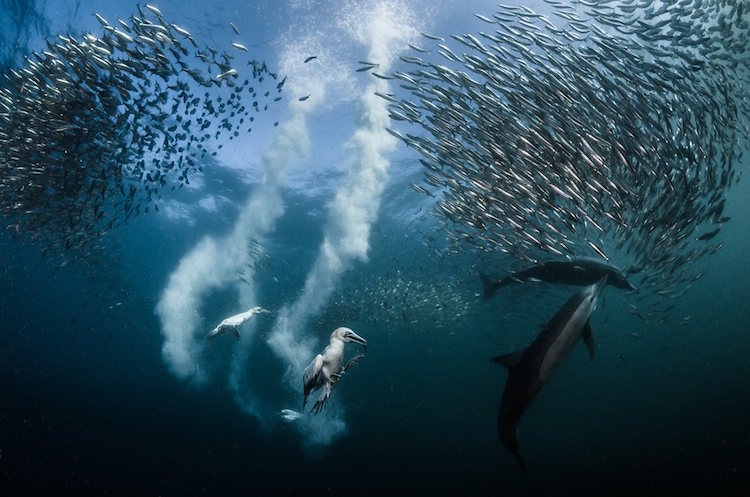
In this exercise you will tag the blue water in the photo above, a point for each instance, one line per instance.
(89, 406)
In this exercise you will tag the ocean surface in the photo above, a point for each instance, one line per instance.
(108, 386)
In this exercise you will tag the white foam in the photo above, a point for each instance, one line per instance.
(214, 262)
(385, 28)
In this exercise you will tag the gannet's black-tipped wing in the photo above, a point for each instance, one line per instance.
(325, 392)
(310, 376)
(223, 328)
(216, 331)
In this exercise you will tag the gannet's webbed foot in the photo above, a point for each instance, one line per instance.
(352, 362)
(289, 415)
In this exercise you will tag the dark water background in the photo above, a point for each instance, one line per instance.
(88, 406)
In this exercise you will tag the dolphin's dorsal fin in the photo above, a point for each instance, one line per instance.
(508, 360)
(588, 338)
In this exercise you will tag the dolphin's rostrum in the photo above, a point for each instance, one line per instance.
(530, 369)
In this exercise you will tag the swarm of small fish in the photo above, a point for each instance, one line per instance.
(615, 132)
(93, 129)
(395, 301)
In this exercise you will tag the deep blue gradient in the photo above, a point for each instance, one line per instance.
(89, 407)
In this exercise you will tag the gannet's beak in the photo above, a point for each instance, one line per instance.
(353, 337)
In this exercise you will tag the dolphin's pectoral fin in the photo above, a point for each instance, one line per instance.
(489, 286)
(588, 339)
(508, 360)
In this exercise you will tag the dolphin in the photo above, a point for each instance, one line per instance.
(531, 368)
(576, 271)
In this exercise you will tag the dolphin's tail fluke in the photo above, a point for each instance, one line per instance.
(509, 438)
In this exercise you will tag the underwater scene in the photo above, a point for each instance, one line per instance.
(374, 247)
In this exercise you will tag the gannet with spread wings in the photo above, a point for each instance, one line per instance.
(326, 369)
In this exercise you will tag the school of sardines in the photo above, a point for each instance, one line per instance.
(93, 128)
(611, 129)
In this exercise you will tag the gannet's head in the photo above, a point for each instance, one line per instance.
(259, 310)
(347, 335)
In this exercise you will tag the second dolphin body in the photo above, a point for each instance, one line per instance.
(531, 368)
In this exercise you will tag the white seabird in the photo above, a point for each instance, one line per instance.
(326, 369)
(232, 323)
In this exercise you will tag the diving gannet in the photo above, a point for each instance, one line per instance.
(232, 323)
(326, 369)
